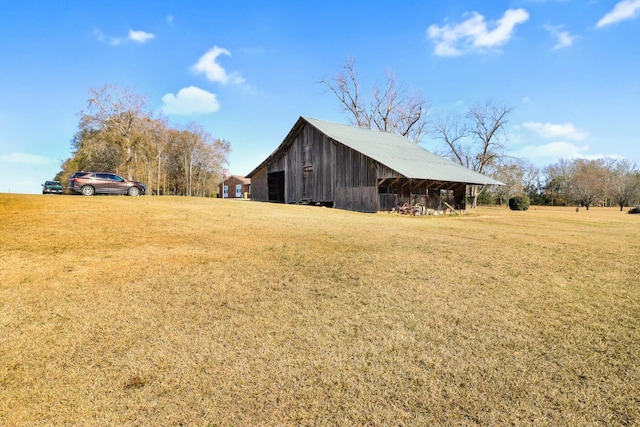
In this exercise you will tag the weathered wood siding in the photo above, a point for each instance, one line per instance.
(307, 161)
(356, 181)
(319, 170)
(259, 186)
(309, 167)
(384, 172)
(260, 179)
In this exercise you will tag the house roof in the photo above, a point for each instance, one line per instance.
(244, 180)
(241, 178)
(395, 152)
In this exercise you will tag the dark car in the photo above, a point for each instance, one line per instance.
(90, 183)
(52, 187)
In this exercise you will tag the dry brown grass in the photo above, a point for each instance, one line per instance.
(178, 311)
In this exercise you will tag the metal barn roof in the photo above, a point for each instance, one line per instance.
(398, 153)
(393, 151)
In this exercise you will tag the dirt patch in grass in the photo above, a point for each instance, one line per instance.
(179, 311)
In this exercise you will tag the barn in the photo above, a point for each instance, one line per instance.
(357, 169)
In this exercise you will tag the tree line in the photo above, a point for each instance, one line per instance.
(573, 182)
(477, 140)
(116, 133)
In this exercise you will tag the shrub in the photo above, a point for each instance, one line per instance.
(484, 198)
(635, 210)
(519, 203)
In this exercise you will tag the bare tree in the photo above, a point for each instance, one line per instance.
(94, 151)
(512, 172)
(454, 132)
(116, 134)
(532, 182)
(488, 122)
(557, 190)
(476, 141)
(159, 137)
(114, 113)
(389, 108)
(589, 181)
(625, 183)
(149, 147)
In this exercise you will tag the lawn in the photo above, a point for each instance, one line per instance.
(186, 311)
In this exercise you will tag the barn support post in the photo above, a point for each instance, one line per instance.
(459, 197)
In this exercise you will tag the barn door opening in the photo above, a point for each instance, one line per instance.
(387, 198)
(275, 181)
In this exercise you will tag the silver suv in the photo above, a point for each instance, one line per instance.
(90, 183)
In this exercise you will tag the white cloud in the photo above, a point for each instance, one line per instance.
(563, 38)
(552, 130)
(546, 154)
(473, 34)
(24, 158)
(626, 9)
(552, 152)
(116, 41)
(190, 100)
(134, 36)
(140, 36)
(212, 70)
(99, 35)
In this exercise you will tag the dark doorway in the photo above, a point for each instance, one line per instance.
(387, 198)
(275, 181)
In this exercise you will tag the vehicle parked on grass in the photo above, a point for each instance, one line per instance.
(90, 183)
(52, 187)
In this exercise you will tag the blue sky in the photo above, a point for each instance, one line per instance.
(246, 70)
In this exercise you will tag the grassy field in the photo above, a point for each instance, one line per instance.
(201, 312)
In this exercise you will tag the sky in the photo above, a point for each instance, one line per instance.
(247, 70)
